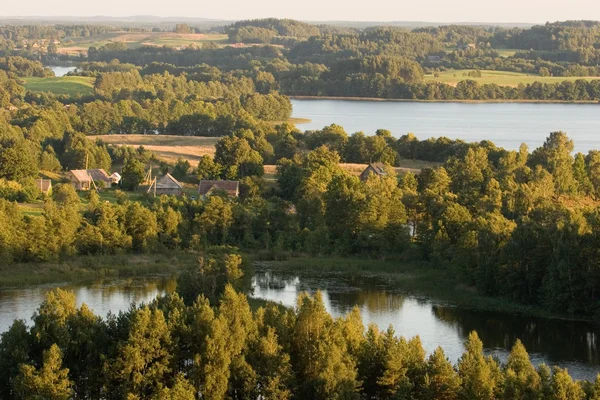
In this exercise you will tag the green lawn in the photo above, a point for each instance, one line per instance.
(502, 78)
(69, 85)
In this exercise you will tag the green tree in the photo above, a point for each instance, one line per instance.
(142, 363)
(555, 155)
(181, 168)
(141, 225)
(50, 382)
(480, 376)
(207, 168)
(133, 173)
(522, 380)
(441, 381)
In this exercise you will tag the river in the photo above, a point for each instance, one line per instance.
(565, 343)
(506, 124)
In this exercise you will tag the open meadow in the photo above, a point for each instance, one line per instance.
(170, 148)
(167, 147)
(502, 78)
(133, 40)
(69, 85)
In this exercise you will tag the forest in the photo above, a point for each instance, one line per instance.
(519, 226)
(300, 59)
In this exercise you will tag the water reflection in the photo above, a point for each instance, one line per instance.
(61, 71)
(101, 297)
(569, 344)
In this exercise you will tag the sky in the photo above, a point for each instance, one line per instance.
(533, 11)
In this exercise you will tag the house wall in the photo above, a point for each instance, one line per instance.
(172, 192)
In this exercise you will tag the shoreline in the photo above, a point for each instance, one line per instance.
(491, 101)
(437, 284)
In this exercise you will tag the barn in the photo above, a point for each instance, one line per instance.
(168, 185)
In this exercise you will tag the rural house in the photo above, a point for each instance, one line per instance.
(373, 168)
(115, 178)
(168, 185)
(45, 185)
(83, 179)
(206, 188)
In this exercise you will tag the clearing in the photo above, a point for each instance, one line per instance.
(169, 148)
(166, 147)
(502, 78)
(69, 85)
(134, 40)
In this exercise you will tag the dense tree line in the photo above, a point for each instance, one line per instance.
(20, 66)
(186, 346)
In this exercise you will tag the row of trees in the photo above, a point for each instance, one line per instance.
(188, 347)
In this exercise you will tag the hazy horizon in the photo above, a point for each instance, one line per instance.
(467, 11)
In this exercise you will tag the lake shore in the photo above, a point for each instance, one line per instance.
(83, 268)
(419, 279)
(493, 101)
(439, 284)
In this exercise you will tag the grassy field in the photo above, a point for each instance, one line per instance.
(82, 268)
(170, 148)
(167, 147)
(502, 78)
(69, 85)
(77, 45)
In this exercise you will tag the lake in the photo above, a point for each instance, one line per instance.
(506, 124)
(101, 296)
(565, 343)
(568, 344)
(61, 71)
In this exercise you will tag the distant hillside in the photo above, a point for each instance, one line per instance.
(418, 24)
(209, 23)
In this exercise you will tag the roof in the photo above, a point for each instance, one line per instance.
(98, 174)
(116, 175)
(168, 182)
(43, 184)
(80, 174)
(83, 175)
(378, 167)
(206, 186)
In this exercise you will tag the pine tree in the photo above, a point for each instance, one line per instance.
(478, 373)
(181, 390)
(563, 386)
(50, 382)
(272, 365)
(522, 380)
(441, 381)
(143, 361)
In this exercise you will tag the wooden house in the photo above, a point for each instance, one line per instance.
(83, 179)
(207, 187)
(80, 179)
(377, 169)
(45, 186)
(168, 185)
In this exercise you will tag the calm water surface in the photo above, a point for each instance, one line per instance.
(102, 297)
(506, 124)
(569, 344)
(62, 71)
